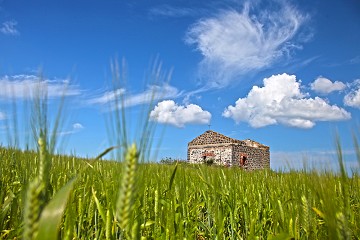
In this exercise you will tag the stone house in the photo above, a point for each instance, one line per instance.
(223, 150)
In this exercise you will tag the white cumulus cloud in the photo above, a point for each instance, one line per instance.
(168, 112)
(352, 99)
(280, 101)
(323, 85)
(9, 28)
(234, 43)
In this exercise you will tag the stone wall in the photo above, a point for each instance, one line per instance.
(222, 154)
(227, 151)
(256, 158)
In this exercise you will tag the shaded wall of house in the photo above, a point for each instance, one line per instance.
(256, 157)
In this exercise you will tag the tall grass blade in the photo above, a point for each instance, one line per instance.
(357, 148)
(340, 158)
(106, 152)
(172, 177)
(98, 205)
(52, 214)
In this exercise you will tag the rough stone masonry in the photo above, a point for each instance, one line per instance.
(223, 150)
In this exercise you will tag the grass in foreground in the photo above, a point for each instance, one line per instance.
(177, 202)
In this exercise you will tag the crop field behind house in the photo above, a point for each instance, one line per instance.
(90, 199)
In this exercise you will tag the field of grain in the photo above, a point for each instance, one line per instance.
(45, 196)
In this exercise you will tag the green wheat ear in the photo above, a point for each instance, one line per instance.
(126, 194)
(305, 214)
(32, 209)
(36, 194)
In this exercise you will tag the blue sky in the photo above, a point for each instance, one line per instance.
(279, 72)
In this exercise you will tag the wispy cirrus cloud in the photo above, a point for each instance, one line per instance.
(26, 86)
(2, 116)
(355, 60)
(234, 43)
(75, 128)
(152, 94)
(172, 11)
(9, 28)
(106, 97)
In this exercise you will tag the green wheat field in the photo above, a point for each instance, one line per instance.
(89, 199)
(44, 195)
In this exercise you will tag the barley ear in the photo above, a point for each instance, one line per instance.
(126, 194)
(32, 210)
(44, 161)
(305, 214)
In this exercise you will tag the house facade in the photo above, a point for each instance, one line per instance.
(223, 150)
